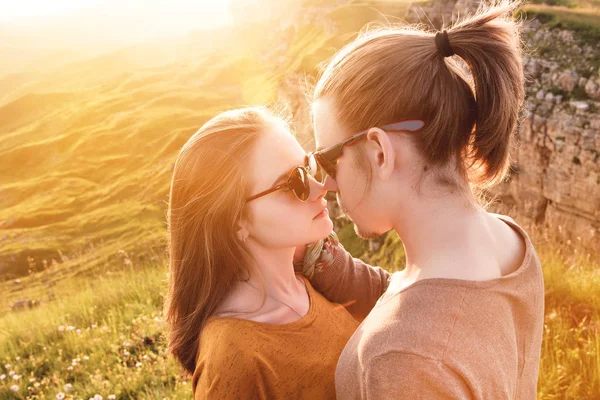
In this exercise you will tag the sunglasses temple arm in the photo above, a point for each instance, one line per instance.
(334, 152)
(266, 192)
(353, 139)
(411, 125)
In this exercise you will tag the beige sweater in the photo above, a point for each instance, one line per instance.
(439, 338)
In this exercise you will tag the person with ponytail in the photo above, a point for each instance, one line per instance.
(409, 126)
(242, 323)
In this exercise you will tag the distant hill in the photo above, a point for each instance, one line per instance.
(87, 147)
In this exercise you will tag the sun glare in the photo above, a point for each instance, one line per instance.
(39, 8)
(204, 13)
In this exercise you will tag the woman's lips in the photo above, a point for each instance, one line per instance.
(324, 212)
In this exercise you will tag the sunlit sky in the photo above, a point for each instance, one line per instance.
(207, 13)
(34, 8)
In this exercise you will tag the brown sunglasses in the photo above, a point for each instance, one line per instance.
(327, 157)
(298, 180)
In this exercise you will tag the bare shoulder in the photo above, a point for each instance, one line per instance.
(511, 244)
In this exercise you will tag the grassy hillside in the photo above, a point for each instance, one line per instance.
(83, 167)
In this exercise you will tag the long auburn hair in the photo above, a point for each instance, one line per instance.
(207, 200)
(390, 74)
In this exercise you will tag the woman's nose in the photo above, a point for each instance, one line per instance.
(330, 184)
(317, 189)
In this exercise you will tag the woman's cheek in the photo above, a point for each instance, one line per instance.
(289, 220)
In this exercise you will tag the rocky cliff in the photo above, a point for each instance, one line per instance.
(556, 177)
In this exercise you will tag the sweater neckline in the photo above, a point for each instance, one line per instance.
(306, 319)
(525, 264)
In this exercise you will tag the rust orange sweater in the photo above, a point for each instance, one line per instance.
(243, 359)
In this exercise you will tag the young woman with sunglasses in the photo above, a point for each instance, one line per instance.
(242, 323)
(464, 318)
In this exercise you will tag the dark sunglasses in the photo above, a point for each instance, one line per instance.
(298, 180)
(327, 157)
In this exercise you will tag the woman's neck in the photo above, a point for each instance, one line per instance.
(275, 268)
(440, 232)
(274, 273)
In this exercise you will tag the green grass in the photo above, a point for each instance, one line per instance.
(102, 335)
(585, 22)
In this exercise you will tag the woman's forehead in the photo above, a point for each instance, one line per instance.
(327, 130)
(277, 152)
(281, 144)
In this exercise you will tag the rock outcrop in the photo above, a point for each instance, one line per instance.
(556, 178)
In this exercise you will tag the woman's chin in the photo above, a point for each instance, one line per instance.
(324, 226)
(320, 229)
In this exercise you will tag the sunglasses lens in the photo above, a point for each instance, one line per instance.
(326, 167)
(315, 169)
(299, 184)
(329, 170)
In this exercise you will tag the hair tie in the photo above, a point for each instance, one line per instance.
(443, 44)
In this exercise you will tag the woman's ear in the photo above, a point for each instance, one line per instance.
(242, 232)
(381, 152)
